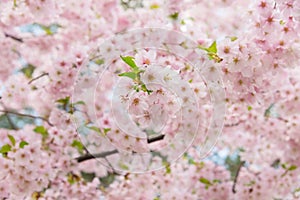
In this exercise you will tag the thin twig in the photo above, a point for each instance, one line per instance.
(89, 156)
(236, 176)
(234, 124)
(38, 77)
(26, 115)
(13, 37)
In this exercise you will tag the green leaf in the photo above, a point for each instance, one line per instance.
(284, 166)
(234, 38)
(205, 181)
(174, 16)
(23, 144)
(66, 105)
(28, 70)
(291, 168)
(41, 130)
(249, 108)
(106, 130)
(78, 145)
(94, 128)
(79, 103)
(73, 178)
(296, 190)
(154, 6)
(130, 61)
(107, 180)
(88, 177)
(213, 47)
(5, 149)
(251, 183)
(99, 61)
(49, 30)
(216, 181)
(64, 101)
(167, 166)
(145, 89)
(131, 75)
(212, 52)
(123, 166)
(12, 139)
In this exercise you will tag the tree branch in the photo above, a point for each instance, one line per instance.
(234, 124)
(89, 156)
(236, 176)
(14, 37)
(26, 115)
(36, 78)
(156, 138)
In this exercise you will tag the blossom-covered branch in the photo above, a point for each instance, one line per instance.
(26, 115)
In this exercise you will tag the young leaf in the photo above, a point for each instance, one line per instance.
(5, 149)
(131, 75)
(106, 130)
(28, 70)
(94, 128)
(64, 101)
(12, 139)
(154, 6)
(79, 103)
(292, 167)
(212, 48)
(78, 145)
(234, 38)
(23, 144)
(130, 61)
(174, 16)
(123, 166)
(99, 61)
(205, 181)
(41, 130)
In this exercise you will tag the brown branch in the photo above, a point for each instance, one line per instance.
(26, 115)
(38, 77)
(236, 176)
(234, 124)
(156, 138)
(89, 156)
(14, 37)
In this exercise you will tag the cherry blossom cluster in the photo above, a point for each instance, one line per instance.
(167, 102)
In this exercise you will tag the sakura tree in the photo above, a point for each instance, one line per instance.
(139, 99)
